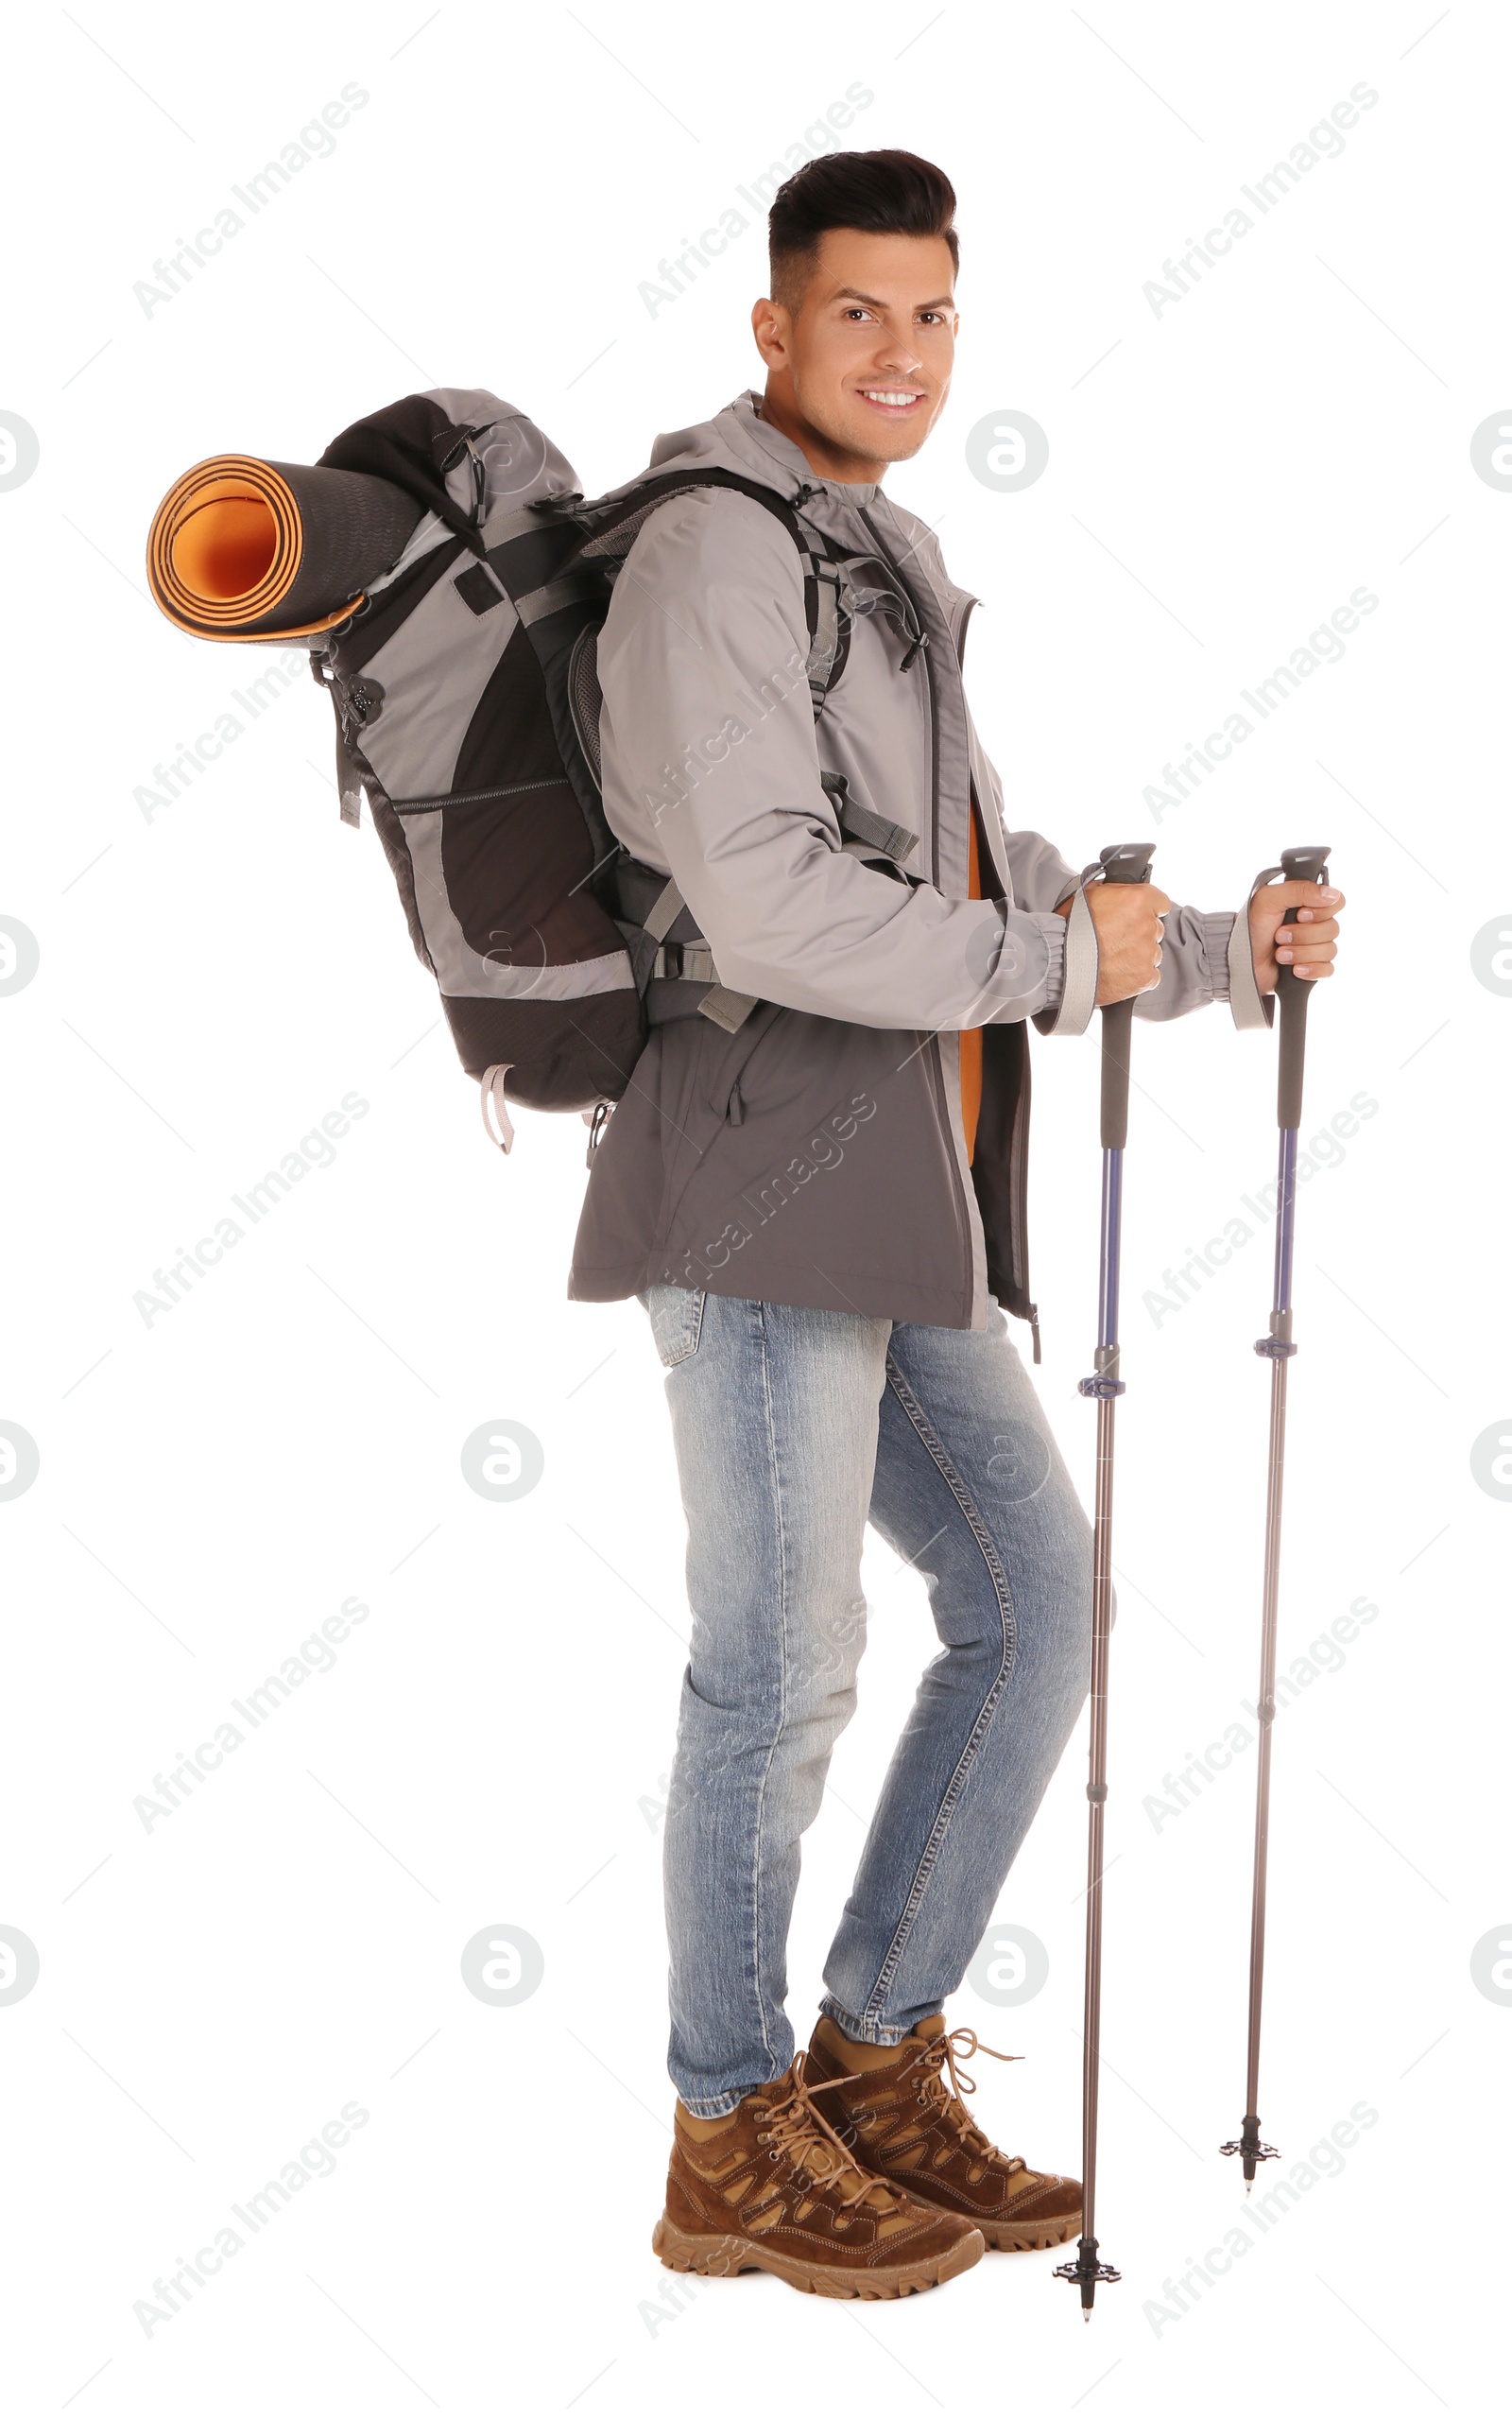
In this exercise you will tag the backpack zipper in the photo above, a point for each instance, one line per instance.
(473, 797)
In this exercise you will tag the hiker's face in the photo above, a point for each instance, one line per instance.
(864, 357)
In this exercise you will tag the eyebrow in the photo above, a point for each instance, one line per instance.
(848, 294)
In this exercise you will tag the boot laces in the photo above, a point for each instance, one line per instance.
(929, 2066)
(799, 2130)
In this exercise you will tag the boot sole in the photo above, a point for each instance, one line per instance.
(1030, 2237)
(735, 2255)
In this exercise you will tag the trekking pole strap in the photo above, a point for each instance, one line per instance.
(1250, 1008)
(1079, 996)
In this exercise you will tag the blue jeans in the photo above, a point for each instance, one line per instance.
(794, 1428)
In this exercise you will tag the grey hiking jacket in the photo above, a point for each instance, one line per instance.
(817, 1154)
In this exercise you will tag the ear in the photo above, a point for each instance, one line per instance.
(771, 326)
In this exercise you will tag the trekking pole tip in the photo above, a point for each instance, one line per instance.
(1088, 2272)
(1250, 2148)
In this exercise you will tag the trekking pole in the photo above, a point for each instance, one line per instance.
(1129, 863)
(1298, 865)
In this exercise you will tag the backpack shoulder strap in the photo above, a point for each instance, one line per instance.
(610, 531)
(615, 530)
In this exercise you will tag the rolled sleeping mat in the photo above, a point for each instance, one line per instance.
(241, 548)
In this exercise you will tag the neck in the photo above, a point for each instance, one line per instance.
(780, 409)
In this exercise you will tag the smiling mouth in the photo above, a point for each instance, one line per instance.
(897, 400)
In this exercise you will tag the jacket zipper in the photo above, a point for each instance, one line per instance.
(1019, 1170)
(963, 1220)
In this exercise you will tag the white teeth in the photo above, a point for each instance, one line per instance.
(887, 395)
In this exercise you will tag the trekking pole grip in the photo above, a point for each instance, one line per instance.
(1128, 862)
(1298, 865)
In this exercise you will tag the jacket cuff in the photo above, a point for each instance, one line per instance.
(1216, 933)
(1053, 932)
(1072, 1011)
(1028, 972)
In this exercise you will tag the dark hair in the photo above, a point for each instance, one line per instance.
(880, 193)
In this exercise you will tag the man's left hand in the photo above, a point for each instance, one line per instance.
(1309, 946)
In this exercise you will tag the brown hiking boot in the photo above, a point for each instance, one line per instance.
(906, 2123)
(777, 2189)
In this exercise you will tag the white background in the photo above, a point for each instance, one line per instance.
(489, 1746)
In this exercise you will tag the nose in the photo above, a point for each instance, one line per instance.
(898, 354)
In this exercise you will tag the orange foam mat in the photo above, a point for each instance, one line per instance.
(242, 548)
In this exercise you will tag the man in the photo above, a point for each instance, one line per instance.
(816, 1189)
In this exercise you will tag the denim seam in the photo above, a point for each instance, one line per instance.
(759, 1828)
(724, 2104)
(876, 2036)
(935, 1447)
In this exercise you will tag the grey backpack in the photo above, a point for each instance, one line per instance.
(466, 702)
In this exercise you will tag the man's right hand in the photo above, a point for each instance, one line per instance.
(1127, 918)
